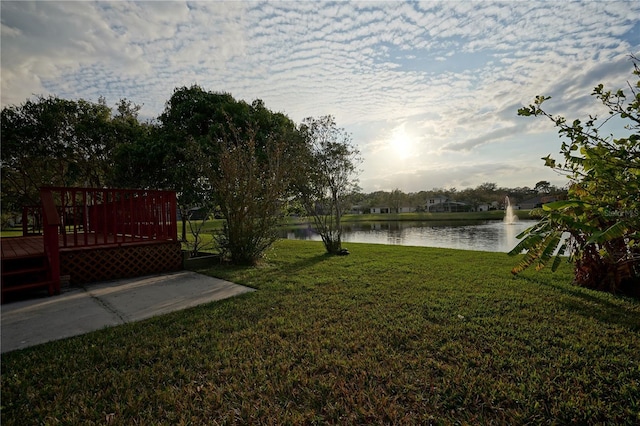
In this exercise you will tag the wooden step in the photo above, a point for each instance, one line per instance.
(23, 263)
(27, 286)
(24, 271)
(39, 284)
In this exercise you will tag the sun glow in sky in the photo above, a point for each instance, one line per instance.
(428, 90)
(401, 143)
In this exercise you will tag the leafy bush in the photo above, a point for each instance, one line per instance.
(602, 212)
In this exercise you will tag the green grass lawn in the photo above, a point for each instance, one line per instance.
(387, 335)
(13, 232)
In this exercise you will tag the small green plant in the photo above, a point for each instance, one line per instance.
(198, 242)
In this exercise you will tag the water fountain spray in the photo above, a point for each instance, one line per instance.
(509, 216)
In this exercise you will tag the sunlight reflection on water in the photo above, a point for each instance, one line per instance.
(493, 236)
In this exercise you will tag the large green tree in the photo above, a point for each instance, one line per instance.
(132, 162)
(191, 126)
(328, 177)
(602, 212)
(216, 150)
(252, 179)
(59, 142)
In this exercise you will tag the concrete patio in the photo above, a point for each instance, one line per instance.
(80, 310)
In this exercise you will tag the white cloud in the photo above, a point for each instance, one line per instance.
(456, 70)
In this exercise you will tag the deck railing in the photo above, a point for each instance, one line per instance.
(97, 216)
(32, 220)
(50, 224)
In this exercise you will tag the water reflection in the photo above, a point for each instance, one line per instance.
(474, 235)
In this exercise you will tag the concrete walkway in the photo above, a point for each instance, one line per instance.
(95, 306)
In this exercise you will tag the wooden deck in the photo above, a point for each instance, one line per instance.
(22, 247)
(92, 234)
(31, 246)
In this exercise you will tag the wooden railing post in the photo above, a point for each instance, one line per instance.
(173, 216)
(25, 221)
(51, 223)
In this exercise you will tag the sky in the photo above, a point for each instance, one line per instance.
(429, 91)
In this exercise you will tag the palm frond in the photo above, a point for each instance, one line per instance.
(548, 248)
(540, 248)
(559, 256)
(617, 230)
(528, 243)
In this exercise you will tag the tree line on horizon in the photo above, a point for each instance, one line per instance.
(486, 193)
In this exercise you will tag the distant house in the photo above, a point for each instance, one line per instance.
(433, 202)
(494, 205)
(406, 209)
(443, 204)
(450, 207)
(537, 202)
(194, 213)
(387, 210)
(380, 210)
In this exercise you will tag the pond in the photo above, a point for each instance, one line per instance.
(490, 235)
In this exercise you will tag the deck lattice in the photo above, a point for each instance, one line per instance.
(122, 256)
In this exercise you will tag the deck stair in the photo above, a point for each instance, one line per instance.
(30, 272)
(25, 267)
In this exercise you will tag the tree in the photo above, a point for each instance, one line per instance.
(192, 126)
(216, 150)
(252, 181)
(132, 161)
(56, 142)
(488, 187)
(377, 199)
(602, 210)
(250, 189)
(396, 200)
(474, 197)
(543, 187)
(327, 177)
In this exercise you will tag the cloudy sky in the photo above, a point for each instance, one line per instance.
(428, 90)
